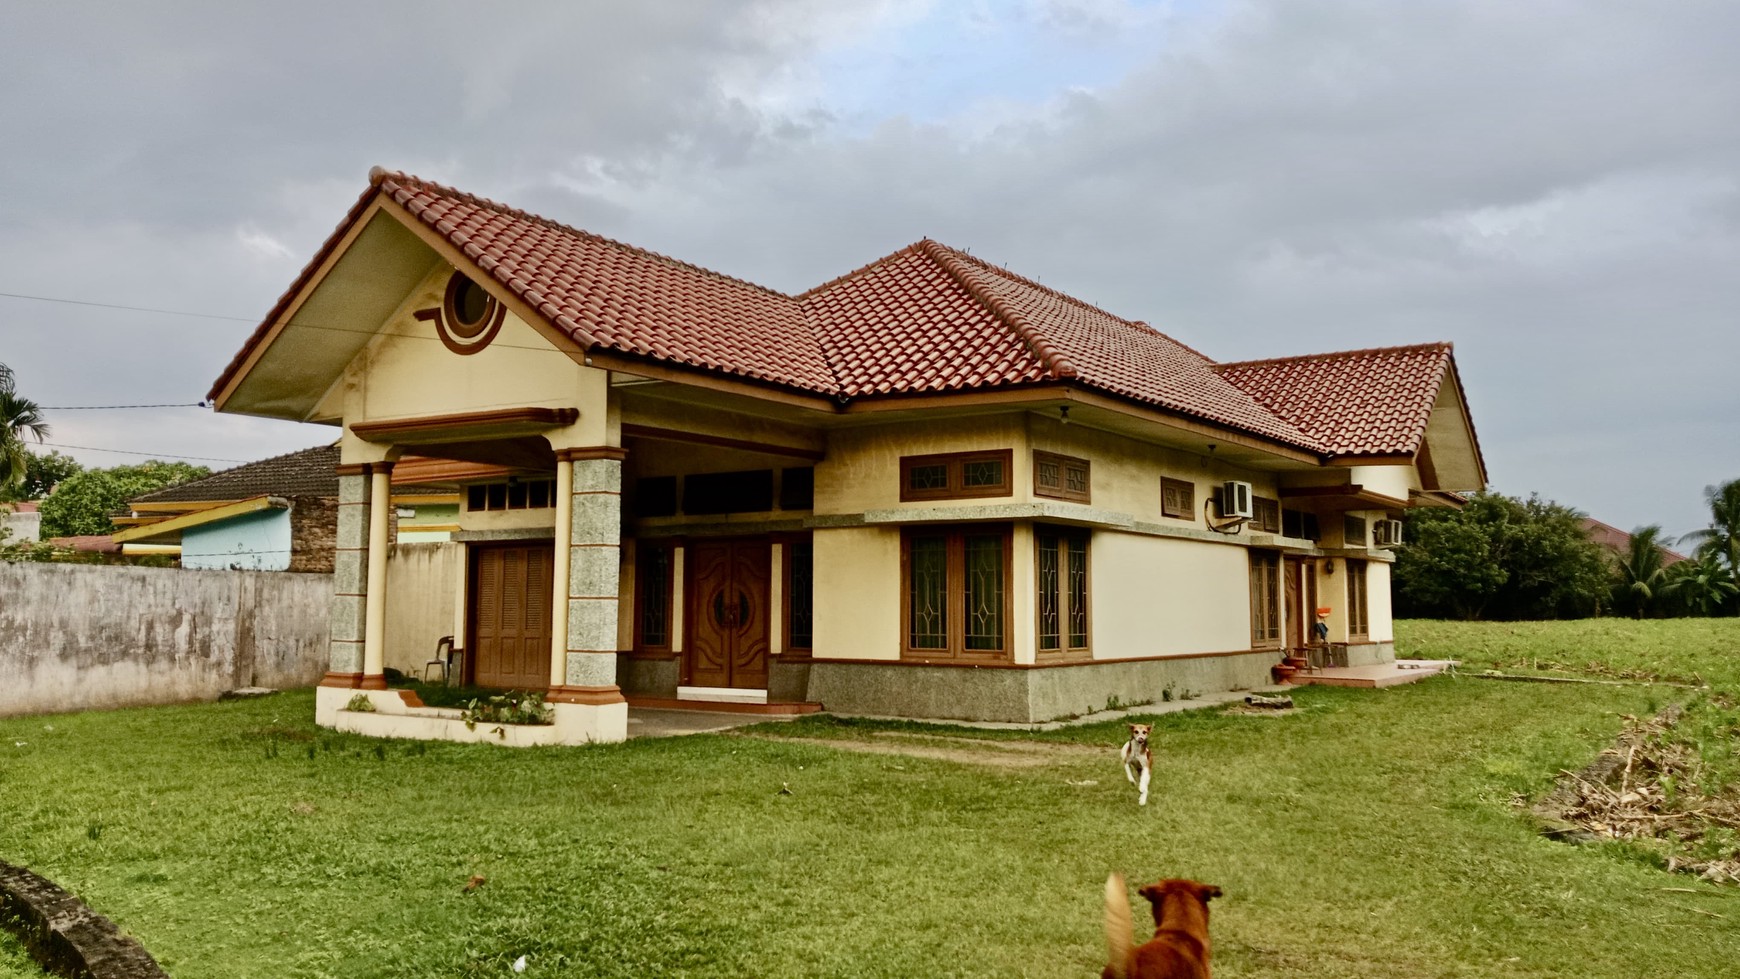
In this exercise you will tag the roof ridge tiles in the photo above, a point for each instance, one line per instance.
(860, 270)
(1056, 363)
(380, 175)
(1441, 346)
(1048, 290)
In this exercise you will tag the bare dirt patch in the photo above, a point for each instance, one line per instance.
(1667, 785)
(965, 751)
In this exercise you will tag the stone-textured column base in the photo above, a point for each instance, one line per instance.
(392, 717)
(585, 695)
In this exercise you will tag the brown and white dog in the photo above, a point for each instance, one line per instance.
(1179, 948)
(1138, 760)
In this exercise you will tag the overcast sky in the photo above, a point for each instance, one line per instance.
(1553, 187)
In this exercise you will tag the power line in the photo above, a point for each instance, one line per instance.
(191, 404)
(130, 452)
(135, 309)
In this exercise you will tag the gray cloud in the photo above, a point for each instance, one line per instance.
(1552, 186)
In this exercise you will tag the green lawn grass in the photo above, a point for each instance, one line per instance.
(1694, 650)
(1368, 834)
(14, 963)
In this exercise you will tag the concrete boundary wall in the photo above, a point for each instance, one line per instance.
(75, 637)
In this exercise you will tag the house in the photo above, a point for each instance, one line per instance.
(278, 514)
(1617, 543)
(930, 487)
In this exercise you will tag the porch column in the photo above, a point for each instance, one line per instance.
(583, 687)
(559, 579)
(375, 598)
(349, 578)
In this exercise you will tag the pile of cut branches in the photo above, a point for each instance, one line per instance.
(1670, 784)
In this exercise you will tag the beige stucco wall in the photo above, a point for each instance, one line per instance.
(1395, 482)
(423, 581)
(1155, 596)
(857, 593)
(1379, 610)
(1126, 473)
(407, 371)
(862, 468)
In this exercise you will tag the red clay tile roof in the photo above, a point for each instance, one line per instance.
(310, 472)
(1619, 542)
(1358, 402)
(926, 319)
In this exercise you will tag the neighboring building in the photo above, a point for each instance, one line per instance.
(23, 520)
(1618, 543)
(930, 487)
(278, 514)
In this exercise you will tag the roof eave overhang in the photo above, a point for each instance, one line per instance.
(176, 525)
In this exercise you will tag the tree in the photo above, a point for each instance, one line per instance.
(19, 417)
(41, 474)
(1499, 558)
(82, 503)
(1641, 580)
(1704, 585)
(1722, 537)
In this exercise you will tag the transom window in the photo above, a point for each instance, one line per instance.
(515, 494)
(1268, 514)
(1177, 498)
(1060, 477)
(1353, 531)
(955, 592)
(1062, 591)
(957, 476)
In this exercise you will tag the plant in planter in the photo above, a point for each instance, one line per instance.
(513, 707)
(361, 704)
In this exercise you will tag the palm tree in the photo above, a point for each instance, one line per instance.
(18, 417)
(1722, 537)
(1703, 586)
(1642, 579)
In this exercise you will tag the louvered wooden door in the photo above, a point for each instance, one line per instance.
(510, 615)
(728, 612)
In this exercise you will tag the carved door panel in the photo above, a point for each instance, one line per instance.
(728, 585)
(510, 619)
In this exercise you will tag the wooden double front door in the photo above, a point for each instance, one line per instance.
(1301, 585)
(728, 614)
(511, 592)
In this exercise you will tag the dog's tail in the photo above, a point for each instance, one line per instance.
(1117, 926)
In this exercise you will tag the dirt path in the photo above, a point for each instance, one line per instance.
(965, 751)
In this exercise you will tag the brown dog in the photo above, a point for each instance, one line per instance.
(1179, 948)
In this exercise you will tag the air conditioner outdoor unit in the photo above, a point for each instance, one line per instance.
(1388, 533)
(1235, 499)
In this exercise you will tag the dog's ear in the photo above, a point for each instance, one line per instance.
(1153, 892)
(1208, 892)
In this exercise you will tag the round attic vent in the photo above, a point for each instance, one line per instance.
(470, 316)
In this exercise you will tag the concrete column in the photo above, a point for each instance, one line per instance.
(559, 602)
(375, 600)
(349, 578)
(589, 705)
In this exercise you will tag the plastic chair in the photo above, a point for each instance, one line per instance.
(445, 655)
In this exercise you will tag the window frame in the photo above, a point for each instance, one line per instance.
(1348, 521)
(1065, 649)
(955, 593)
(955, 487)
(1358, 599)
(788, 545)
(1064, 465)
(1267, 514)
(1185, 486)
(642, 567)
(1266, 591)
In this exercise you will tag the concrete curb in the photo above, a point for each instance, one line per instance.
(66, 936)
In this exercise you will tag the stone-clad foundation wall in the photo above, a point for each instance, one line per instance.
(1030, 695)
(74, 637)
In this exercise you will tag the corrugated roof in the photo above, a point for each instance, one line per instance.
(1357, 402)
(925, 319)
(310, 472)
